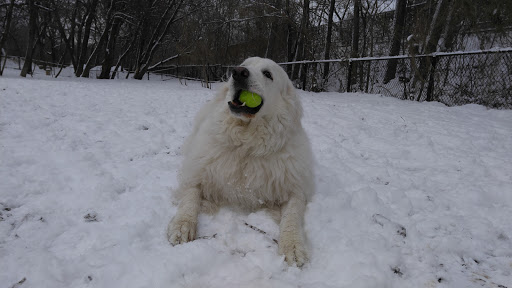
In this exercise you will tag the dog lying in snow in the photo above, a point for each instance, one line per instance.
(252, 157)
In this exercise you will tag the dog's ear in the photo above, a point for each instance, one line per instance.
(290, 89)
(292, 100)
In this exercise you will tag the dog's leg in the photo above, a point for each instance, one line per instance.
(183, 225)
(291, 235)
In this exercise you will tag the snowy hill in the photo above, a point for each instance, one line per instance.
(408, 194)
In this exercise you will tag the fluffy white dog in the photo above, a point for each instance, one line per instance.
(253, 158)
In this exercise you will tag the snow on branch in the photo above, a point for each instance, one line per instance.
(244, 19)
(44, 7)
(165, 61)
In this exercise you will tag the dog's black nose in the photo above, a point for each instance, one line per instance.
(240, 74)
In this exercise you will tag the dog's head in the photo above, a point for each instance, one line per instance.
(267, 79)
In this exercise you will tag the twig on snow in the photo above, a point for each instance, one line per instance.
(208, 237)
(19, 282)
(259, 230)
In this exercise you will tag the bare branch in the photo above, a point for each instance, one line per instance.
(245, 19)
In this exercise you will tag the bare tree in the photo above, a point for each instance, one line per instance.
(327, 50)
(435, 30)
(160, 31)
(82, 53)
(60, 26)
(109, 50)
(103, 40)
(273, 29)
(355, 29)
(3, 38)
(179, 12)
(355, 44)
(437, 25)
(289, 37)
(32, 41)
(300, 44)
(398, 28)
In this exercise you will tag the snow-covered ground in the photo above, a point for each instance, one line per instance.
(408, 194)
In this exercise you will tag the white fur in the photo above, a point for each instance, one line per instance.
(251, 162)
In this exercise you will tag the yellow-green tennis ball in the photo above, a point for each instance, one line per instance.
(250, 99)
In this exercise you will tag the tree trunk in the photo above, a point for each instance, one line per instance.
(73, 25)
(61, 62)
(289, 38)
(355, 43)
(274, 28)
(304, 54)
(364, 21)
(110, 50)
(78, 39)
(434, 33)
(436, 28)
(450, 28)
(355, 29)
(8, 18)
(327, 50)
(270, 41)
(32, 32)
(91, 13)
(299, 46)
(398, 29)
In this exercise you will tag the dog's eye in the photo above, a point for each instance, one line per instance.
(268, 75)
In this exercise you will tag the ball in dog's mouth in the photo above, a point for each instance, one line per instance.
(239, 107)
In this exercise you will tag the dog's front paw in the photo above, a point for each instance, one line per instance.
(293, 249)
(181, 231)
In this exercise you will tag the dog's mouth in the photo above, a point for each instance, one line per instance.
(238, 107)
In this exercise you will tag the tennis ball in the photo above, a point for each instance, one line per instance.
(250, 99)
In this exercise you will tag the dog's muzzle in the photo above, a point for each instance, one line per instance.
(240, 76)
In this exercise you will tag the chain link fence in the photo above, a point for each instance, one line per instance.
(478, 77)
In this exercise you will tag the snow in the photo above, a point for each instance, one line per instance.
(408, 194)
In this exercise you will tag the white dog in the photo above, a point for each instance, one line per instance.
(250, 157)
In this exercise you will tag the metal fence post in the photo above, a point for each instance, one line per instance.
(208, 75)
(304, 76)
(349, 77)
(430, 88)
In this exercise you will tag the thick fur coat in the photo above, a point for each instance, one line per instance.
(249, 157)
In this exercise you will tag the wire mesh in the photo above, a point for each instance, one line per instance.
(453, 79)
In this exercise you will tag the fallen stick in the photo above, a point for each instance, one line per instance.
(259, 230)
